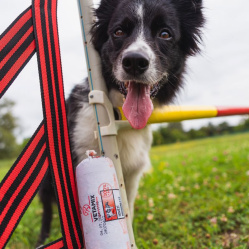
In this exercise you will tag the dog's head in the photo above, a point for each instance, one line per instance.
(143, 46)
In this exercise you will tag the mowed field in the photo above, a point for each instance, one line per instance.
(196, 195)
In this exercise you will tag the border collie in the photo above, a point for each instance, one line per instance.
(143, 45)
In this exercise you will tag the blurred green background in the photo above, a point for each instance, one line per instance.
(194, 196)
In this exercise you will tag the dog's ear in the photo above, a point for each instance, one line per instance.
(103, 16)
(192, 20)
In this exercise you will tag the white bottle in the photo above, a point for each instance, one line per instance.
(102, 214)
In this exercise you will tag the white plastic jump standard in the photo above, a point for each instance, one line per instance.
(102, 107)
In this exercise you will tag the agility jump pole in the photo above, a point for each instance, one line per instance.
(103, 108)
(181, 113)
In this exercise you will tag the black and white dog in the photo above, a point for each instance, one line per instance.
(143, 45)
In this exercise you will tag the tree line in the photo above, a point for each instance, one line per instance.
(174, 132)
(9, 129)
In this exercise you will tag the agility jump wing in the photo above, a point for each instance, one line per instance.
(102, 107)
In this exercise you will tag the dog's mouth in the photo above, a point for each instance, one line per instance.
(138, 105)
(123, 88)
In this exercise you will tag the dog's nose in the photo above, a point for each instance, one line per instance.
(135, 63)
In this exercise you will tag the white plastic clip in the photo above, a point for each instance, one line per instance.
(99, 97)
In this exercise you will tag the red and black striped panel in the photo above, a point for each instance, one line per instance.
(20, 185)
(58, 244)
(47, 44)
(17, 46)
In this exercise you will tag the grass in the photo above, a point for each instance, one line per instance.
(195, 196)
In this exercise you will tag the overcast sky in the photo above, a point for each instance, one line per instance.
(219, 76)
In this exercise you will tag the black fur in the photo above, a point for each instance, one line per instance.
(47, 196)
(76, 100)
(183, 19)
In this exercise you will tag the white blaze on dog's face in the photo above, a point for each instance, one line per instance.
(136, 67)
(139, 47)
(143, 46)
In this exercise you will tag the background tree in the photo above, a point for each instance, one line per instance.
(174, 132)
(8, 124)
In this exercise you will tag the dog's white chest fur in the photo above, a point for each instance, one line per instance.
(133, 145)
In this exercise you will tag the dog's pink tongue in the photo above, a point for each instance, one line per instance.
(138, 106)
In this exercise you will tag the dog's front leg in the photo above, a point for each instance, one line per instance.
(131, 186)
(134, 147)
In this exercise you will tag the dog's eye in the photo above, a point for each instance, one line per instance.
(164, 34)
(119, 33)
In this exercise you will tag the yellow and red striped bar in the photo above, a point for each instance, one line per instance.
(181, 113)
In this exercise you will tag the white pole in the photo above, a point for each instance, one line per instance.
(102, 107)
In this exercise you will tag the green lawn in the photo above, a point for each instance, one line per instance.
(195, 196)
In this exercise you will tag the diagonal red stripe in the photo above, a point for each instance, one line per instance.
(14, 49)
(12, 32)
(22, 184)
(57, 245)
(14, 219)
(5, 187)
(18, 64)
